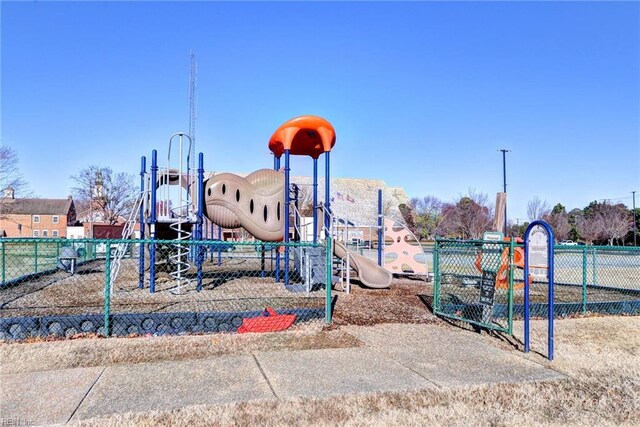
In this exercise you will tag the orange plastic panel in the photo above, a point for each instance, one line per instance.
(502, 277)
(303, 136)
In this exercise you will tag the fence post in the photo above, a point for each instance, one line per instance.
(329, 257)
(436, 277)
(107, 290)
(35, 256)
(594, 276)
(4, 276)
(512, 248)
(584, 280)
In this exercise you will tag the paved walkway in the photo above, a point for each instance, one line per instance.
(394, 358)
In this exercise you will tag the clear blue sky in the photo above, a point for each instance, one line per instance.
(421, 94)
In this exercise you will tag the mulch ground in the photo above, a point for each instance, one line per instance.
(407, 301)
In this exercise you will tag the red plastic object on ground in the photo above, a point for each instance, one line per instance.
(270, 321)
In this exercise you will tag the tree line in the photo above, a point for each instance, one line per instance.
(468, 217)
(107, 196)
(99, 193)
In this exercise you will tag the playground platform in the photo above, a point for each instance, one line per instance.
(382, 358)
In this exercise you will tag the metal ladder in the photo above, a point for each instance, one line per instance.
(122, 248)
(183, 213)
(179, 258)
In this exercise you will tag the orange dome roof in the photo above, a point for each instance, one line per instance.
(303, 136)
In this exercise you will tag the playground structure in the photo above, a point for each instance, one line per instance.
(177, 216)
(398, 252)
(174, 200)
(198, 293)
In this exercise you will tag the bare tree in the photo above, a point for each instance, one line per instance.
(430, 205)
(590, 227)
(448, 226)
(104, 195)
(470, 217)
(408, 216)
(559, 222)
(427, 215)
(11, 181)
(477, 214)
(537, 209)
(10, 176)
(617, 221)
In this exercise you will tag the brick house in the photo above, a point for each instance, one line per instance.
(35, 217)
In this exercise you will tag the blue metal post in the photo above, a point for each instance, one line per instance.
(380, 241)
(551, 311)
(219, 245)
(199, 222)
(526, 292)
(152, 222)
(550, 302)
(286, 217)
(315, 200)
(143, 171)
(276, 166)
(262, 260)
(328, 238)
(211, 237)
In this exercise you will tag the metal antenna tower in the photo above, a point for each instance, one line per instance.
(193, 106)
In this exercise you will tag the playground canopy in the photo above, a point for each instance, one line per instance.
(304, 136)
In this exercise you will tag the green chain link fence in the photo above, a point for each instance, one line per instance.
(473, 282)
(66, 287)
(481, 282)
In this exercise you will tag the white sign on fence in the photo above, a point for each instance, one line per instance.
(491, 252)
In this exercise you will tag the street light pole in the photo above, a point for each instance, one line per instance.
(504, 184)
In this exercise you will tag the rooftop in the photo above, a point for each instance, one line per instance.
(36, 206)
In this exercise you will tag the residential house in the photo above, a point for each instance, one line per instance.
(35, 217)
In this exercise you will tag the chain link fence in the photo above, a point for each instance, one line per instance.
(59, 287)
(473, 282)
(481, 282)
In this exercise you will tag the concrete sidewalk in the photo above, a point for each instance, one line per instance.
(394, 358)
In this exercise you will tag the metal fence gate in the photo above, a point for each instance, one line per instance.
(481, 282)
(474, 282)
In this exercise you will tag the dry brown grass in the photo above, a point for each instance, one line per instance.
(600, 355)
(567, 402)
(42, 356)
(584, 346)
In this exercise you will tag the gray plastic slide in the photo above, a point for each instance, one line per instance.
(369, 272)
